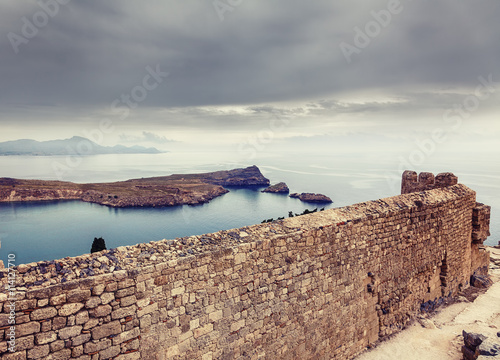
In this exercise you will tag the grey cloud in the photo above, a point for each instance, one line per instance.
(146, 136)
(92, 52)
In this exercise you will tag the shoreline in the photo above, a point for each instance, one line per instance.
(172, 190)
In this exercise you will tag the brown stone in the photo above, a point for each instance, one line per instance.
(69, 332)
(46, 337)
(63, 354)
(106, 298)
(126, 335)
(109, 352)
(58, 300)
(70, 309)
(93, 347)
(100, 311)
(27, 329)
(112, 328)
(24, 343)
(19, 355)
(43, 313)
(38, 352)
(58, 323)
(81, 339)
(78, 295)
(93, 302)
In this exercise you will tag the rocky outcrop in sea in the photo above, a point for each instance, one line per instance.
(312, 198)
(279, 188)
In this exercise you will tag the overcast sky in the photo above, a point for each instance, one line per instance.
(175, 73)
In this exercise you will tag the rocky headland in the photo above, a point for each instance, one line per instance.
(312, 198)
(279, 188)
(179, 189)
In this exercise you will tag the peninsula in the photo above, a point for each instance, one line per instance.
(181, 189)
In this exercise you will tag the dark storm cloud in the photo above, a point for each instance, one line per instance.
(92, 52)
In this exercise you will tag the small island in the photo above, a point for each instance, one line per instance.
(181, 189)
(312, 198)
(279, 188)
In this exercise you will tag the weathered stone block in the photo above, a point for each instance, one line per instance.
(125, 292)
(24, 343)
(130, 356)
(58, 300)
(178, 291)
(69, 332)
(126, 335)
(128, 300)
(27, 329)
(18, 355)
(82, 317)
(38, 352)
(81, 339)
(100, 311)
(43, 313)
(93, 302)
(112, 328)
(147, 310)
(78, 295)
(46, 337)
(63, 354)
(92, 347)
(107, 297)
(109, 352)
(58, 323)
(70, 309)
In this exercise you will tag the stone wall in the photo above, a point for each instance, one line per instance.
(425, 181)
(320, 286)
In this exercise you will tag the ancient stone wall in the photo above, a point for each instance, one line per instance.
(425, 181)
(318, 286)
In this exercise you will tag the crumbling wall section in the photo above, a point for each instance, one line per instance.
(411, 182)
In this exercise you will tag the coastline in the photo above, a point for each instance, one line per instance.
(179, 189)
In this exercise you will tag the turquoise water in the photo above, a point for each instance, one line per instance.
(52, 230)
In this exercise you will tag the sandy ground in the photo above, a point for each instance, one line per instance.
(445, 340)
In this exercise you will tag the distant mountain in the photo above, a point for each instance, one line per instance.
(77, 145)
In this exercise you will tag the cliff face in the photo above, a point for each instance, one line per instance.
(250, 176)
(7, 195)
